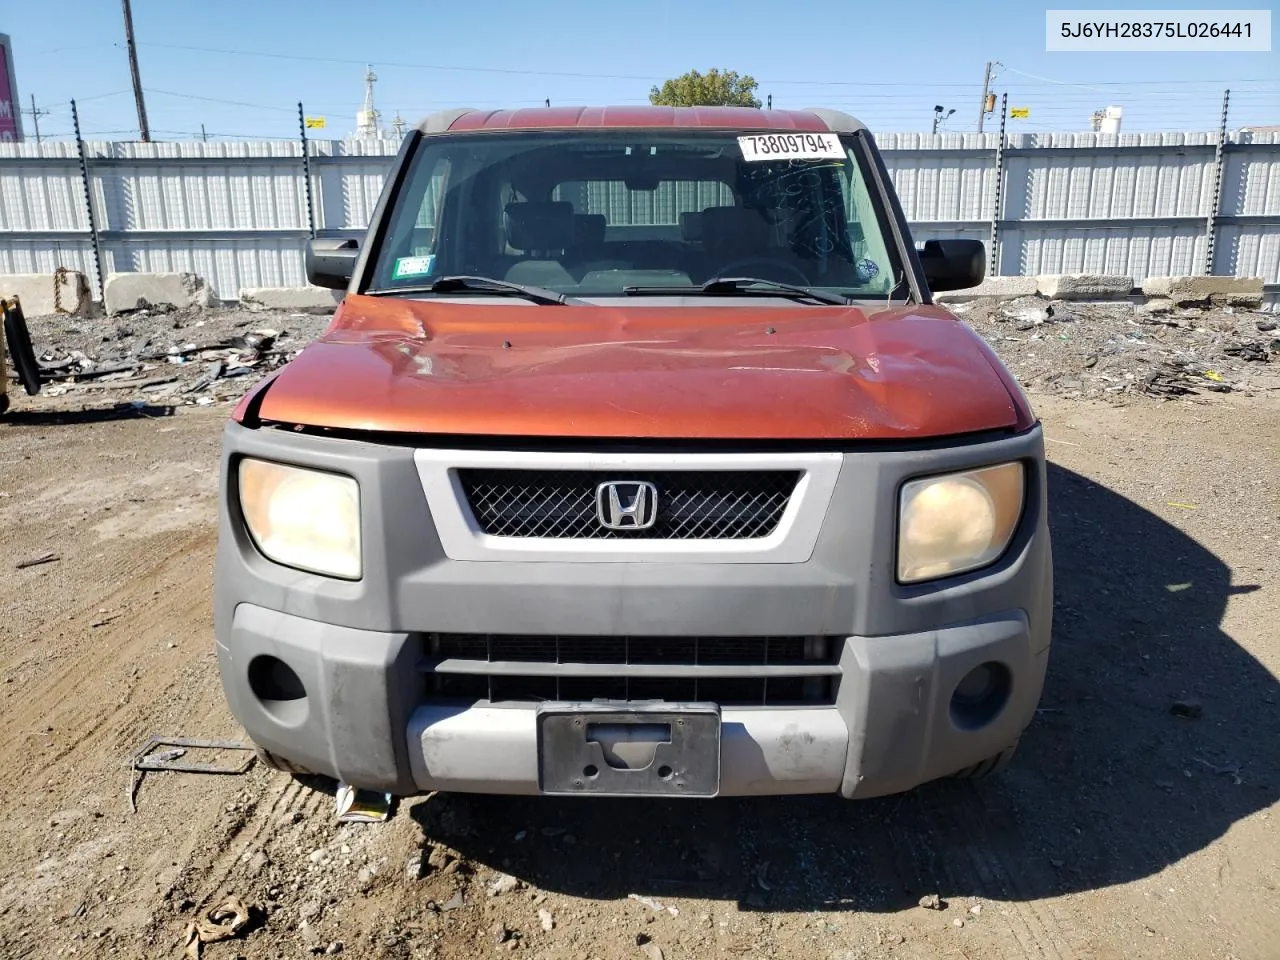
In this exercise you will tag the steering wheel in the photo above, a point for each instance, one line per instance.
(741, 268)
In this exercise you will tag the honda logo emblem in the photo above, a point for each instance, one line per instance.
(627, 505)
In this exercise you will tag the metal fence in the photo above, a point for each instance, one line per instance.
(238, 213)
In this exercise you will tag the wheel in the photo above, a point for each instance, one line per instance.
(277, 762)
(988, 767)
(19, 341)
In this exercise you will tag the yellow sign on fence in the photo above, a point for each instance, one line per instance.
(1019, 113)
(315, 123)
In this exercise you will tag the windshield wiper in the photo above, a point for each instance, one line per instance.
(742, 286)
(465, 284)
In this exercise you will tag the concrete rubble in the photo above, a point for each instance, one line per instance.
(308, 299)
(998, 288)
(132, 291)
(1083, 286)
(1218, 291)
(47, 294)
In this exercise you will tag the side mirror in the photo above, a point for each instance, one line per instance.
(953, 264)
(331, 261)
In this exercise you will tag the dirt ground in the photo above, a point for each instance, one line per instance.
(1140, 818)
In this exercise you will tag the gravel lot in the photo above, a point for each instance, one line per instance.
(1139, 819)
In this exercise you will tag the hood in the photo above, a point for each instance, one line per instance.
(714, 372)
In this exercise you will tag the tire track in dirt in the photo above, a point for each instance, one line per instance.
(114, 686)
(109, 667)
(983, 866)
(135, 547)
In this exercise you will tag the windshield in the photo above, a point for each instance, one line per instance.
(599, 214)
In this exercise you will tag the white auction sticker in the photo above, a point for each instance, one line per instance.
(791, 146)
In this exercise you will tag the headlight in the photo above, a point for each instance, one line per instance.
(302, 518)
(957, 522)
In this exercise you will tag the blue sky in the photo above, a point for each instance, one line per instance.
(887, 62)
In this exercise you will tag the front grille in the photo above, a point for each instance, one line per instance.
(731, 671)
(692, 504)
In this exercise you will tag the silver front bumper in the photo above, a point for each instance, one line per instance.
(362, 717)
(490, 749)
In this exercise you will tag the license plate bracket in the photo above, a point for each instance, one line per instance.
(598, 749)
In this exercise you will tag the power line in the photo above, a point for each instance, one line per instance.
(101, 96)
(233, 103)
(391, 63)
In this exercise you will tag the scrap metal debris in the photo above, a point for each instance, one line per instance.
(225, 921)
(149, 758)
(157, 353)
(225, 359)
(1114, 349)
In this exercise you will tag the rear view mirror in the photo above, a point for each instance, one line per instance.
(953, 264)
(331, 261)
(641, 180)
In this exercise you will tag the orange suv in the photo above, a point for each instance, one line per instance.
(637, 460)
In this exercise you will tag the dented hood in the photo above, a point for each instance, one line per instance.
(788, 372)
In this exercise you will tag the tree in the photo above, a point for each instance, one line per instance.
(715, 88)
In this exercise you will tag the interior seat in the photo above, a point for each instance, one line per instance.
(731, 234)
(542, 231)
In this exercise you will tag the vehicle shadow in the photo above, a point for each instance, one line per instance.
(1156, 733)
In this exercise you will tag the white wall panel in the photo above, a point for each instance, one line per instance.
(236, 212)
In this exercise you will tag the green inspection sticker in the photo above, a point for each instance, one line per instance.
(414, 266)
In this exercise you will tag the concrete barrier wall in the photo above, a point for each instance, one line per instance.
(1133, 205)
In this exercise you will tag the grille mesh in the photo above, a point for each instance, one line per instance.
(692, 504)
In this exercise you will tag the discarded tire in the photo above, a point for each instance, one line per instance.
(19, 341)
(989, 766)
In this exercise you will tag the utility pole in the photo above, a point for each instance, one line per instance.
(203, 136)
(143, 129)
(988, 99)
(35, 117)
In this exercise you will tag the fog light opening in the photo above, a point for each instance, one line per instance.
(279, 689)
(980, 695)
